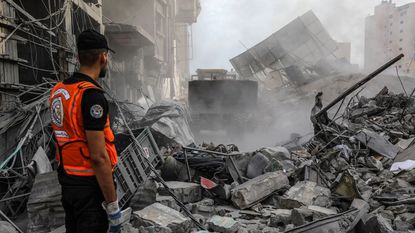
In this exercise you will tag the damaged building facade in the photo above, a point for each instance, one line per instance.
(294, 54)
(390, 30)
(154, 41)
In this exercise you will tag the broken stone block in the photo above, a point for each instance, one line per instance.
(378, 224)
(289, 227)
(408, 217)
(303, 193)
(270, 230)
(200, 218)
(398, 209)
(185, 192)
(146, 195)
(243, 230)
(372, 162)
(401, 225)
(6, 227)
(387, 214)
(301, 216)
(256, 165)
(252, 226)
(277, 153)
(128, 228)
(360, 205)
(158, 215)
(204, 207)
(320, 212)
(223, 224)
(168, 201)
(257, 189)
(280, 218)
(322, 200)
(44, 207)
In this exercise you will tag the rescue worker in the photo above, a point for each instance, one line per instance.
(86, 152)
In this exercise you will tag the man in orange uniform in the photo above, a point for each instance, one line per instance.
(85, 142)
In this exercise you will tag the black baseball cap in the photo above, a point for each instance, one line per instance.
(91, 39)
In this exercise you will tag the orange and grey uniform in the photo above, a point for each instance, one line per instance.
(78, 104)
(67, 124)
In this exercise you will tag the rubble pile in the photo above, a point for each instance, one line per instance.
(355, 175)
(351, 177)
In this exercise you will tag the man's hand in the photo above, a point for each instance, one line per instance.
(114, 216)
(101, 164)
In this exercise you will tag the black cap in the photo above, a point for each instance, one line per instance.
(91, 39)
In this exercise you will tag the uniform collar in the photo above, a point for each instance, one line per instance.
(79, 77)
(84, 77)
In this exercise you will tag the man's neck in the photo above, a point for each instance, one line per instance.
(89, 72)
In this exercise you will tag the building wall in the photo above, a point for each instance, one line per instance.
(9, 70)
(343, 51)
(389, 32)
(166, 63)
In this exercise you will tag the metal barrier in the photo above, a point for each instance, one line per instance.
(132, 170)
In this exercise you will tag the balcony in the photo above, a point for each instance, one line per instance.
(187, 11)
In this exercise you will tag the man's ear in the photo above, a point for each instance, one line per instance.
(103, 58)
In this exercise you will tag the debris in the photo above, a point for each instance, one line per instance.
(158, 215)
(321, 212)
(377, 143)
(346, 186)
(301, 216)
(186, 192)
(343, 222)
(377, 224)
(256, 165)
(145, 195)
(303, 193)
(360, 205)
(6, 227)
(170, 121)
(280, 218)
(223, 224)
(167, 201)
(44, 207)
(204, 207)
(257, 189)
(41, 162)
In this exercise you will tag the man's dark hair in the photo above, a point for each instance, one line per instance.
(90, 57)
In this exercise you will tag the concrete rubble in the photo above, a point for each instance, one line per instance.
(327, 183)
(6, 227)
(186, 192)
(223, 224)
(255, 190)
(162, 217)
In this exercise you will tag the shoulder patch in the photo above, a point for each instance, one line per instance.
(57, 111)
(62, 91)
(96, 111)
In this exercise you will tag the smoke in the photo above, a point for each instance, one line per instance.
(223, 25)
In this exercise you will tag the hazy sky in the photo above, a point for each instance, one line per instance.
(224, 25)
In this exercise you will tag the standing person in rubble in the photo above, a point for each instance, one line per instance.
(321, 120)
(86, 152)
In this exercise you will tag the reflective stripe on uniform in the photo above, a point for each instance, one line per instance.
(78, 170)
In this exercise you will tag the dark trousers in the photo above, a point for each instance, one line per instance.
(83, 210)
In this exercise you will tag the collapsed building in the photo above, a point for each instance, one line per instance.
(297, 54)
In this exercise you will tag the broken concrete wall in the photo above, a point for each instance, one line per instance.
(255, 190)
(44, 208)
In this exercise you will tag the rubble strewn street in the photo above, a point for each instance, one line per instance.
(295, 138)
